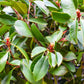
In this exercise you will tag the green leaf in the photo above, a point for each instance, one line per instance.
(35, 61)
(6, 19)
(1, 44)
(59, 71)
(22, 51)
(41, 68)
(75, 3)
(36, 33)
(70, 56)
(26, 71)
(60, 17)
(49, 4)
(70, 66)
(79, 57)
(7, 78)
(37, 50)
(22, 28)
(81, 33)
(52, 59)
(15, 62)
(73, 31)
(38, 21)
(4, 29)
(5, 3)
(20, 7)
(59, 58)
(69, 7)
(42, 6)
(55, 37)
(3, 59)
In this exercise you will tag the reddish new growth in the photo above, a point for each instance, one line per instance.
(51, 47)
(8, 41)
(58, 4)
(78, 14)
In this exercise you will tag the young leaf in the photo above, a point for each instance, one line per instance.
(59, 58)
(42, 6)
(3, 59)
(52, 59)
(40, 69)
(37, 50)
(69, 7)
(15, 62)
(59, 71)
(22, 51)
(60, 17)
(55, 37)
(22, 28)
(70, 56)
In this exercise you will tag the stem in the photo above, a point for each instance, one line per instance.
(29, 13)
(55, 79)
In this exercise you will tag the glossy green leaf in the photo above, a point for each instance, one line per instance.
(26, 71)
(81, 33)
(40, 69)
(3, 59)
(60, 17)
(59, 71)
(20, 7)
(6, 19)
(22, 28)
(70, 66)
(74, 30)
(59, 58)
(37, 50)
(15, 62)
(70, 56)
(38, 21)
(49, 4)
(69, 7)
(7, 78)
(4, 29)
(42, 6)
(36, 33)
(55, 37)
(52, 59)
(22, 51)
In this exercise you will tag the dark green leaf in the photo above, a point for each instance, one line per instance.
(60, 17)
(36, 33)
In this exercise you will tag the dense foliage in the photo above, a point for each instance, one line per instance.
(41, 42)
